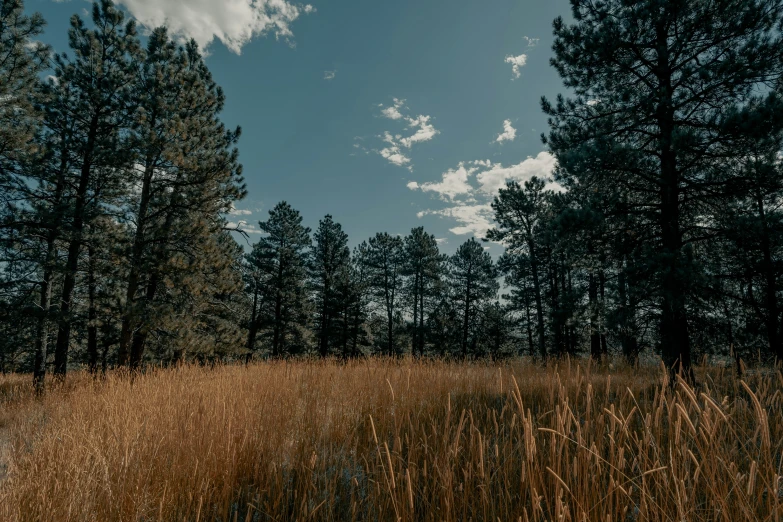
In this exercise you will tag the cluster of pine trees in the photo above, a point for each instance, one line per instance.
(116, 172)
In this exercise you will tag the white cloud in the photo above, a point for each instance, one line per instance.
(470, 202)
(396, 143)
(329, 75)
(517, 62)
(441, 240)
(497, 175)
(393, 111)
(424, 131)
(233, 22)
(453, 184)
(508, 134)
(394, 156)
(243, 226)
(473, 219)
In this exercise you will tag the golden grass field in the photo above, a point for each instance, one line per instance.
(393, 440)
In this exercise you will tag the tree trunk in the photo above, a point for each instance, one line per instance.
(140, 335)
(421, 322)
(595, 338)
(92, 313)
(675, 341)
(414, 341)
(74, 249)
(772, 315)
(529, 325)
(251, 336)
(538, 299)
(466, 319)
(137, 256)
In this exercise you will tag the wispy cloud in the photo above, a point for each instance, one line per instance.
(396, 146)
(329, 75)
(508, 134)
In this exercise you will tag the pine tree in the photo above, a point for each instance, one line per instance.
(665, 92)
(473, 279)
(385, 258)
(187, 176)
(329, 259)
(423, 266)
(281, 259)
(520, 214)
(100, 78)
(21, 61)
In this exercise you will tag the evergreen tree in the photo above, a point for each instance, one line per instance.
(100, 78)
(473, 279)
(21, 61)
(423, 266)
(385, 259)
(665, 91)
(329, 259)
(281, 258)
(187, 176)
(520, 214)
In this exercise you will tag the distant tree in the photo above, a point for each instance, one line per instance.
(666, 92)
(355, 296)
(329, 260)
(473, 280)
(385, 260)
(423, 267)
(280, 257)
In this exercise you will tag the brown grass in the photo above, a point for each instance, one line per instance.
(381, 440)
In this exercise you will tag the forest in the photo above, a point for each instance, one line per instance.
(619, 361)
(666, 240)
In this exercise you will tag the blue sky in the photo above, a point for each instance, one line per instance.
(387, 115)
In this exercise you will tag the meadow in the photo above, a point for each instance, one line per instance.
(394, 440)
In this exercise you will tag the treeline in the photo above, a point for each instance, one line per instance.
(665, 236)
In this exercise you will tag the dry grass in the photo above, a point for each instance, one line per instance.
(380, 440)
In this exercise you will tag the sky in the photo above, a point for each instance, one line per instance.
(386, 115)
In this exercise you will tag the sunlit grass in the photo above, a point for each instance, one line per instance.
(394, 440)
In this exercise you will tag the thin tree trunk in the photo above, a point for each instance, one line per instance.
(466, 318)
(74, 249)
(538, 299)
(771, 318)
(251, 336)
(92, 313)
(137, 256)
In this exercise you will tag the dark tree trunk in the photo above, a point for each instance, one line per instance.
(595, 338)
(772, 314)
(538, 299)
(140, 335)
(137, 254)
(675, 341)
(74, 249)
(466, 319)
(529, 325)
(92, 313)
(415, 340)
(251, 336)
